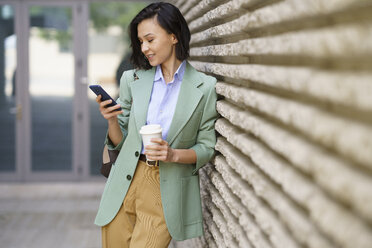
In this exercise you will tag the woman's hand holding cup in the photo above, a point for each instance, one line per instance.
(161, 151)
(155, 147)
(109, 113)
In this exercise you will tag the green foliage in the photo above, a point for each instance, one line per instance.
(102, 16)
(59, 29)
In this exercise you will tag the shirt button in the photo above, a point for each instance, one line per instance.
(129, 177)
(136, 153)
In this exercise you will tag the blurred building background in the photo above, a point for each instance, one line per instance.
(50, 51)
(51, 132)
(294, 163)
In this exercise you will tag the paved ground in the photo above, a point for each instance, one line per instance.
(56, 215)
(45, 215)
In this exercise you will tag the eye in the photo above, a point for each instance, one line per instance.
(151, 40)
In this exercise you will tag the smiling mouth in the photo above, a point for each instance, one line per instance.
(150, 56)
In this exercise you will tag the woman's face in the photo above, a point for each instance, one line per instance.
(156, 44)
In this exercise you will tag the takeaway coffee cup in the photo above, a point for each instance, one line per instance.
(148, 132)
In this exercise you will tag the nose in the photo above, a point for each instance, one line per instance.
(144, 47)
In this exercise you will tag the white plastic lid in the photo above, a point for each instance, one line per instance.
(150, 129)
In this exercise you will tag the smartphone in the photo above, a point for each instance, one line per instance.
(98, 90)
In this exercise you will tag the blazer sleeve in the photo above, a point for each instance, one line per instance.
(125, 100)
(206, 138)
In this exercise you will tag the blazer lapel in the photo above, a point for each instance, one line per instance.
(141, 93)
(188, 99)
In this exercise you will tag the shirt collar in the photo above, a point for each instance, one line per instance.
(177, 75)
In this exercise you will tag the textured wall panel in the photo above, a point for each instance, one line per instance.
(292, 216)
(322, 43)
(338, 89)
(253, 231)
(333, 174)
(293, 165)
(266, 218)
(232, 223)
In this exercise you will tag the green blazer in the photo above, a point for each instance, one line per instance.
(192, 127)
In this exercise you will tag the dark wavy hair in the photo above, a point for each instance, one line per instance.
(170, 18)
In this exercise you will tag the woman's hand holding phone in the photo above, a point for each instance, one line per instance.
(109, 113)
(109, 110)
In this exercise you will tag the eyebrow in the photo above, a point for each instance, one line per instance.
(146, 35)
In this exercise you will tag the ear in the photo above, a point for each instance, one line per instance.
(174, 39)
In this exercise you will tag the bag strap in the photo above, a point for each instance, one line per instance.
(135, 77)
(105, 155)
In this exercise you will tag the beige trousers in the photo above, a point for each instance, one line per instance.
(140, 221)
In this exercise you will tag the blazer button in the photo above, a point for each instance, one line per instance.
(129, 177)
(136, 153)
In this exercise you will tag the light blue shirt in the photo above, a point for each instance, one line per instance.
(163, 99)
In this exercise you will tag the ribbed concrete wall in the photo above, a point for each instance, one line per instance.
(294, 163)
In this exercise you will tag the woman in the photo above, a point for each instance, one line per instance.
(146, 206)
